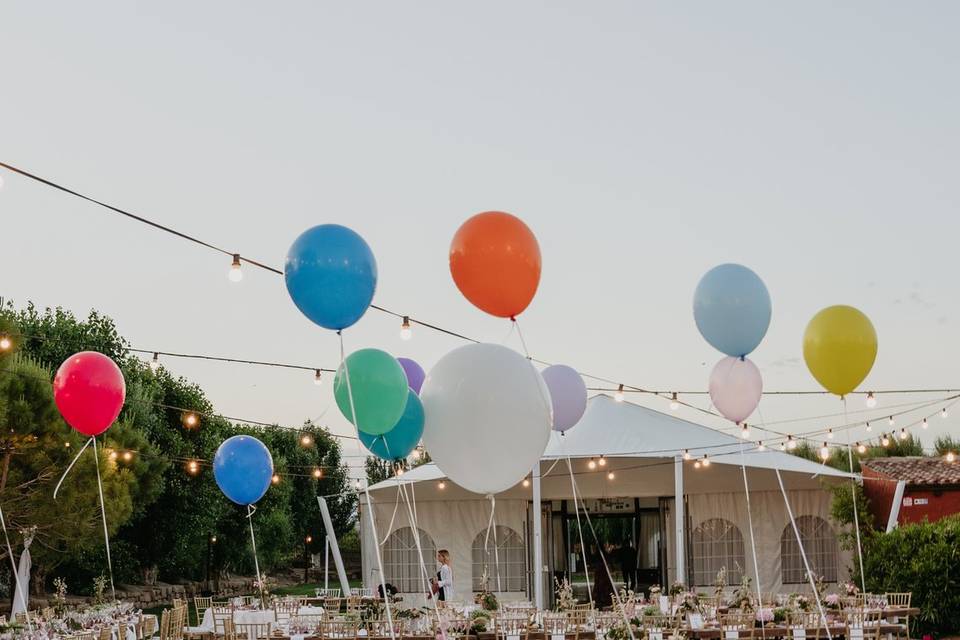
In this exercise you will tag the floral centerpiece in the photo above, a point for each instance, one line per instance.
(99, 586)
(60, 597)
(780, 614)
(564, 592)
(819, 584)
(689, 602)
(620, 631)
(764, 615)
(263, 586)
(743, 595)
(628, 600)
(480, 621)
(719, 584)
(677, 588)
(851, 588)
(655, 592)
(832, 601)
(801, 602)
(486, 600)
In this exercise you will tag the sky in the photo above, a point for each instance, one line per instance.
(642, 142)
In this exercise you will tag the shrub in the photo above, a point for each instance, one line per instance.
(923, 558)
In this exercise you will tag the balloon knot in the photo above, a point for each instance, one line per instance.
(743, 358)
(513, 318)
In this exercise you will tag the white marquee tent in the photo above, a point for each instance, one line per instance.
(687, 539)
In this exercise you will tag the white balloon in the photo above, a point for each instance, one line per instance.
(735, 388)
(487, 417)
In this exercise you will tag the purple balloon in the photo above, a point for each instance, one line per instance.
(568, 394)
(415, 374)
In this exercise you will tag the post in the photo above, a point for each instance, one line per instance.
(679, 517)
(895, 505)
(306, 558)
(209, 539)
(537, 540)
(326, 563)
(332, 537)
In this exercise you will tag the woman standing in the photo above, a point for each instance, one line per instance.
(443, 585)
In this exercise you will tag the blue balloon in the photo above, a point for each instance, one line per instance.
(243, 468)
(331, 275)
(403, 437)
(732, 309)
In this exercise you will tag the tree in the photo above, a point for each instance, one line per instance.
(945, 444)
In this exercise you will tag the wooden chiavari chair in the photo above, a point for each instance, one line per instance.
(229, 630)
(579, 614)
(333, 604)
(381, 629)
(200, 605)
(901, 600)
(556, 626)
(83, 635)
(362, 592)
(603, 622)
(252, 630)
(660, 627)
(164, 625)
(511, 627)
(862, 625)
(306, 623)
(221, 614)
(20, 617)
(339, 630)
(737, 625)
(284, 609)
(353, 604)
(809, 622)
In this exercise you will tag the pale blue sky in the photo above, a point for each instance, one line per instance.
(642, 142)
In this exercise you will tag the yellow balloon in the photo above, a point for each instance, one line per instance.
(840, 346)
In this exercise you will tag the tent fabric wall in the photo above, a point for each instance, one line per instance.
(769, 520)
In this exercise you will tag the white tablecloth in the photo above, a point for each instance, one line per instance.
(254, 616)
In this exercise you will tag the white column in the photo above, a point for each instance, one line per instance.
(537, 540)
(679, 517)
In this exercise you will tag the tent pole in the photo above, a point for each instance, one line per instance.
(679, 516)
(537, 540)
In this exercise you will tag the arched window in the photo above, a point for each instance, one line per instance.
(512, 560)
(401, 562)
(717, 543)
(820, 545)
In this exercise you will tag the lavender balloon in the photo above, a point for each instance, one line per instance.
(415, 374)
(568, 394)
(735, 388)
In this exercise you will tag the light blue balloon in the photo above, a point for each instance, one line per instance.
(243, 468)
(331, 275)
(732, 309)
(403, 437)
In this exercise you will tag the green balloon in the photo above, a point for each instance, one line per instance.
(379, 388)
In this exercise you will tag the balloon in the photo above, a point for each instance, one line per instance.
(414, 371)
(331, 275)
(243, 468)
(735, 388)
(731, 307)
(488, 417)
(89, 391)
(495, 262)
(840, 346)
(568, 395)
(379, 388)
(403, 437)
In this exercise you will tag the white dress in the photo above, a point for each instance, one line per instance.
(446, 582)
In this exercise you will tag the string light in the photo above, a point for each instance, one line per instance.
(213, 539)
(891, 421)
(861, 448)
(871, 400)
(306, 440)
(951, 456)
(830, 433)
(155, 361)
(357, 484)
(674, 402)
(127, 456)
(308, 539)
(526, 482)
(592, 464)
(602, 461)
(317, 377)
(869, 428)
(190, 419)
(783, 446)
(611, 476)
(885, 441)
(441, 485)
(618, 396)
(943, 413)
(824, 452)
(745, 431)
(113, 455)
(5, 342)
(400, 470)
(686, 454)
(417, 452)
(275, 479)
(405, 333)
(66, 444)
(924, 423)
(760, 446)
(235, 274)
(791, 443)
(193, 467)
(697, 465)
(706, 460)
(903, 434)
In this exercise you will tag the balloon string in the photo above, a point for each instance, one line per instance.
(492, 527)
(853, 490)
(366, 490)
(253, 543)
(753, 544)
(103, 513)
(803, 554)
(583, 547)
(75, 458)
(16, 574)
(523, 343)
(424, 574)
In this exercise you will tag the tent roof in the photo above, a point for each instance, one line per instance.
(625, 430)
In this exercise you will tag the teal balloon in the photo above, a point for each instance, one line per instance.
(379, 388)
(400, 441)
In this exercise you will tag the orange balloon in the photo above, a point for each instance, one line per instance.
(495, 262)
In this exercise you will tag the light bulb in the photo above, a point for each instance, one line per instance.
(306, 440)
(696, 465)
(760, 446)
(441, 485)
(924, 423)
(674, 403)
(791, 443)
(602, 461)
(318, 377)
(891, 421)
(5, 343)
(155, 361)
(903, 434)
(592, 464)
(357, 484)
(190, 419)
(869, 428)
(405, 333)
(745, 431)
(706, 460)
(951, 456)
(943, 413)
(399, 471)
(275, 479)
(861, 448)
(783, 446)
(66, 444)
(526, 482)
(308, 539)
(113, 455)
(317, 473)
(885, 441)
(236, 273)
(213, 539)
(686, 454)
(824, 451)
(127, 456)
(830, 433)
(611, 476)
(871, 400)
(618, 396)
(416, 453)
(193, 467)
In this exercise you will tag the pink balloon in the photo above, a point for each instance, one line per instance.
(89, 391)
(735, 388)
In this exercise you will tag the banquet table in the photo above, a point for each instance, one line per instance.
(254, 616)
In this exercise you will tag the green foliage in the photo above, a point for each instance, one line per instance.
(841, 511)
(922, 558)
(945, 444)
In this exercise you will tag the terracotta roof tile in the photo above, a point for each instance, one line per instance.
(917, 470)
